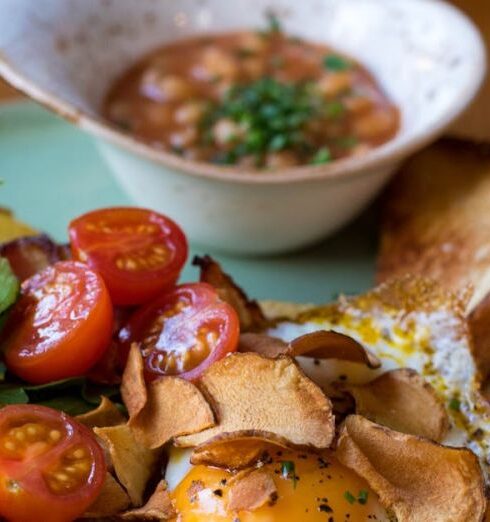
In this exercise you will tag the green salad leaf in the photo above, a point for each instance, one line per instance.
(13, 395)
(73, 396)
(9, 286)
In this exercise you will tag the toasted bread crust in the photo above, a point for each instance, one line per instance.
(436, 219)
(436, 223)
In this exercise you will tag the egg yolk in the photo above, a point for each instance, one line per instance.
(310, 488)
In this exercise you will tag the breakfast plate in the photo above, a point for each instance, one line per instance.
(147, 374)
(44, 159)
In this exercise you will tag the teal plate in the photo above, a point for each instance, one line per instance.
(52, 172)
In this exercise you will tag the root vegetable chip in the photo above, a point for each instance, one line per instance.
(236, 450)
(402, 401)
(158, 508)
(251, 489)
(133, 386)
(173, 407)
(251, 392)
(106, 414)
(249, 312)
(417, 479)
(133, 463)
(111, 501)
(324, 344)
(263, 345)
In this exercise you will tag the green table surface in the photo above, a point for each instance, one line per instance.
(52, 172)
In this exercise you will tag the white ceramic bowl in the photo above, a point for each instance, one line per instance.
(65, 54)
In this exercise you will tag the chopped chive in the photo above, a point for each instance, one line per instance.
(273, 115)
(278, 142)
(334, 62)
(362, 497)
(334, 109)
(455, 404)
(273, 23)
(349, 497)
(288, 471)
(322, 156)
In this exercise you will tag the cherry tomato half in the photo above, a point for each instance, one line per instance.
(60, 326)
(51, 467)
(183, 332)
(139, 253)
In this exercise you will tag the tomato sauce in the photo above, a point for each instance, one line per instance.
(254, 100)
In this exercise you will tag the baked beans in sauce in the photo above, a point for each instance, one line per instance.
(253, 100)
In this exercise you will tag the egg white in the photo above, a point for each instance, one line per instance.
(427, 342)
(178, 465)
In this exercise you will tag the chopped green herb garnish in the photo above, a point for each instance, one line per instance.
(322, 156)
(288, 471)
(273, 23)
(278, 142)
(334, 109)
(334, 62)
(349, 497)
(272, 115)
(362, 497)
(455, 404)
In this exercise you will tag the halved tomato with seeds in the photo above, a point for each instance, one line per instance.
(138, 252)
(51, 467)
(60, 326)
(183, 332)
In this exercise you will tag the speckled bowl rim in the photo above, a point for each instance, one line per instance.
(340, 170)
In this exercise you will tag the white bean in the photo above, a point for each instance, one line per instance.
(189, 113)
(334, 83)
(226, 130)
(374, 124)
(281, 160)
(165, 87)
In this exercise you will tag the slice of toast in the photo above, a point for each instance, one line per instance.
(436, 223)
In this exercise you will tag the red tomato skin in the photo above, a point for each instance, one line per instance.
(129, 288)
(33, 501)
(83, 341)
(200, 292)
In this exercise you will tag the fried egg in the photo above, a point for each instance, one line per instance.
(310, 488)
(425, 331)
